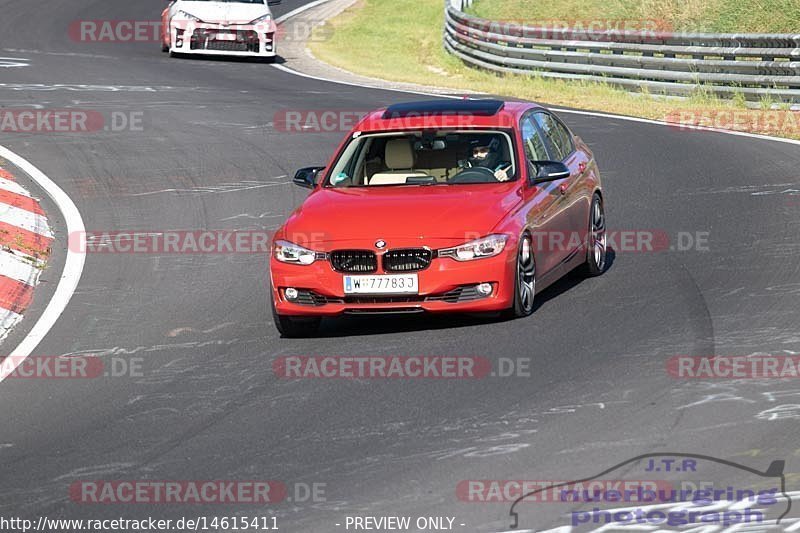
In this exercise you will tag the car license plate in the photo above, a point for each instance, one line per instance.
(388, 284)
(225, 37)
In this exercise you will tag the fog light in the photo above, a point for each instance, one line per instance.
(484, 289)
(291, 293)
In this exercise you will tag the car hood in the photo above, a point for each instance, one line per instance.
(402, 215)
(238, 12)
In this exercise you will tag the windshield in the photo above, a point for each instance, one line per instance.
(425, 158)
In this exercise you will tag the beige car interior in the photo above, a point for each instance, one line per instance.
(399, 158)
(401, 161)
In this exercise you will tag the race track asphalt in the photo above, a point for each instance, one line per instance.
(207, 404)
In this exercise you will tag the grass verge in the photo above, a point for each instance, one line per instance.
(717, 16)
(401, 40)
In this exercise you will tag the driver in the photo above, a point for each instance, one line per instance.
(488, 156)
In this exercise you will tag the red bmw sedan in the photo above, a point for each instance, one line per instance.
(439, 206)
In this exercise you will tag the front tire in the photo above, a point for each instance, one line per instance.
(294, 327)
(597, 248)
(524, 280)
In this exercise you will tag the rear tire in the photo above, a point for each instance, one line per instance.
(524, 280)
(597, 245)
(294, 327)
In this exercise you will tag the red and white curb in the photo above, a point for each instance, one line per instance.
(73, 264)
(25, 239)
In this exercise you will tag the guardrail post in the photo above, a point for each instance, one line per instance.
(460, 4)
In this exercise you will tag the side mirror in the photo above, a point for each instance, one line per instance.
(549, 171)
(307, 177)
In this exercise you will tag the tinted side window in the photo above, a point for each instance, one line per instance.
(560, 141)
(532, 140)
(566, 144)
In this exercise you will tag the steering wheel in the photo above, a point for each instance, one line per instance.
(474, 175)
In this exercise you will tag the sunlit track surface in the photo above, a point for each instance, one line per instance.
(207, 404)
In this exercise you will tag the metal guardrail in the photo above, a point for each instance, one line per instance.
(754, 65)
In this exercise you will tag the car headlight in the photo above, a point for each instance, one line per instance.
(287, 252)
(488, 246)
(263, 18)
(184, 15)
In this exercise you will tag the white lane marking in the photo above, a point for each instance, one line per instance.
(81, 87)
(25, 220)
(8, 319)
(13, 186)
(73, 265)
(15, 267)
(11, 62)
(65, 54)
(676, 125)
(299, 10)
(353, 84)
(556, 109)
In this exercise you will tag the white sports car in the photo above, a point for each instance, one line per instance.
(219, 27)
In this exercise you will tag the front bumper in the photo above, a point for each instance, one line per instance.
(445, 286)
(204, 38)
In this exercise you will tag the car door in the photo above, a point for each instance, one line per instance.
(544, 203)
(573, 201)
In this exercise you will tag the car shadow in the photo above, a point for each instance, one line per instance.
(573, 279)
(231, 59)
(355, 326)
